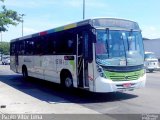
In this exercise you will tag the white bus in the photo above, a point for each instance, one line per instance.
(99, 55)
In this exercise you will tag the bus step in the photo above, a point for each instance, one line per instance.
(84, 88)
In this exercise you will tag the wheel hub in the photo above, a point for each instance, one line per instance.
(68, 82)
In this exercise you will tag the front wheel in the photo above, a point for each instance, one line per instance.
(66, 79)
(68, 82)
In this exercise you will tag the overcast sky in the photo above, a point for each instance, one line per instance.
(46, 14)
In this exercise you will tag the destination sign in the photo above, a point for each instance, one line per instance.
(116, 23)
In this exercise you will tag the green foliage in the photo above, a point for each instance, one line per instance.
(8, 17)
(5, 48)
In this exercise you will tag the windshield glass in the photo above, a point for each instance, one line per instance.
(150, 56)
(119, 48)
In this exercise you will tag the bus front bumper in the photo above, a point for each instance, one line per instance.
(105, 85)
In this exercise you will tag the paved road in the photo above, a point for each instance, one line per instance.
(35, 96)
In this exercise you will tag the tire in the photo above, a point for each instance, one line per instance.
(25, 73)
(151, 70)
(67, 80)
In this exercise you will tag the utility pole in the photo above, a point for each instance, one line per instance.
(84, 9)
(22, 22)
(1, 45)
(1, 37)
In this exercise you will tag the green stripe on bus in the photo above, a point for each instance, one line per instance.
(71, 62)
(124, 76)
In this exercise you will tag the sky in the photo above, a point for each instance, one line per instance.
(41, 15)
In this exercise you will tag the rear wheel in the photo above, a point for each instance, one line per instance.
(25, 73)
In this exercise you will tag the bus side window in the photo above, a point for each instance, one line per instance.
(21, 47)
(16, 48)
(29, 47)
(12, 48)
(51, 45)
(65, 43)
(70, 46)
(40, 45)
(36, 46)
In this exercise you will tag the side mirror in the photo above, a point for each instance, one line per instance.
(88, 46)
(92, 33)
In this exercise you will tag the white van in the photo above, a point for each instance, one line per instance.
(5, 60)
(151, 62)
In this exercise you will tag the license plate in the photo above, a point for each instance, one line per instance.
(127, 85)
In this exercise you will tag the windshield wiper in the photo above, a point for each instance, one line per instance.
(107, 31)
(125, 51)
(130, 34)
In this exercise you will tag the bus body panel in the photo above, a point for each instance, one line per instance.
(46, 67)
(91, 76)
(50, 71)
(38, 69)
(92, 71)
(28, 61)
(12, 64)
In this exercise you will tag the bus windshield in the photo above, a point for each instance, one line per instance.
(119, 48)
(150, 56)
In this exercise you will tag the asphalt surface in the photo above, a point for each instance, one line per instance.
(38, 96)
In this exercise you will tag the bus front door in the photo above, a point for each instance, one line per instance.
(82, 64)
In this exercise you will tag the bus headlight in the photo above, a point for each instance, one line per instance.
(101, 71)
(102, 75)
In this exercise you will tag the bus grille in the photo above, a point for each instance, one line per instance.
(124, 76)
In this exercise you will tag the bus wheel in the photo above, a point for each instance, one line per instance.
(68, 82)
(66, 79)
(25, 73)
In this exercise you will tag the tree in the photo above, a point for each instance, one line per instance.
(5, 48)
(8, 17)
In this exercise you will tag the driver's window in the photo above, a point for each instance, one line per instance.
(101, 47)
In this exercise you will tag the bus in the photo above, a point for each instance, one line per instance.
(99, 55)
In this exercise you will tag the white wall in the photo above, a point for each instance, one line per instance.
(152, 46)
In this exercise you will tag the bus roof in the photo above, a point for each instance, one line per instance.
(97, 22)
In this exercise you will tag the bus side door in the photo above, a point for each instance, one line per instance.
(88, 60)
(84, 66)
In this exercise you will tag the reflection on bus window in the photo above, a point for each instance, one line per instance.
(101, 47)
